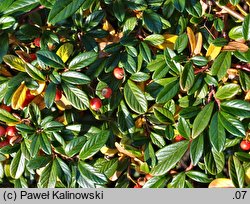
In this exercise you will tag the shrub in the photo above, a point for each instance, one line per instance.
(122, 93)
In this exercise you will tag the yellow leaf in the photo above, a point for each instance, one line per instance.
(65, 51)
(40, 89)
(221, 183)
(63, 103)
(108, 151)
(191, 38)
(198, 46)
(19, 96)
(169, 42)
(108, 27)
(247, 97)
(213, 52)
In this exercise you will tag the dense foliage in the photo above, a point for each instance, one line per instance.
(124, 93)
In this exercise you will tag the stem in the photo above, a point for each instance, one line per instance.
(231, 12)
(245, 67)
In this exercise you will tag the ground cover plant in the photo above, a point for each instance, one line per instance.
(124, 93)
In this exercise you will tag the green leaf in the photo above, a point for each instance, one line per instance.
(145, 52)
(236, 107)
(17, 165)
(156, 182)
(45, 143)
(221, 64)
(187, 77)
(168, 157)
(196, 149)
(183, 128)
(139, 77)
(231, 124)
(107, 167)
(119, 10)
(181, 42)
(15, 62)
(63, 9)
(64, 172)
(6, 22)
(135, 98)
(129, 25)
(246, 27)
(214, 161)
(217, 133)
(202, 119)
(52, 126)
(4, 44)
(91, 173)
(7, 117)
(77, 97)
(48, 176)
(74, 146)
(21, 6)
(236, 172)
(83, 60)
(38, 162)
(178, 180)
(155, 39)
(236, 33)
(152, 20)
(157, 140)
(168, 92)
(65, 51)
(34, 72)
(244, 81)
(163, 115)
(74, 77)
(198, 176)
(50, 59)
(199, 60)
(179, 5)
(50, 95)
(94, 144)
(243, 156)
(25, 128)
(227, 91)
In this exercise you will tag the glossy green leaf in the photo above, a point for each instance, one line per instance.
(17, 165)
(168, 92)
(48, 176)
(236, 107)
(83, 60)
(202, 119)
(135, 98)
(77, 97)
(21, 6)
(45, 143)
(74, 77)
(155, 39)
(178, 180)
(15, 62)
(246, 27)
(183, 128)
(214, 161)
(198, 176)
(50, 95)
(6, 22)
(74, 146)
(168, 157)
(50, 59)
(196, 149)
(156, 182)
(187, 77)
(221, 64)
(163, 115)
(181, 42)
(232, 124)
(227, 91)
(152, 21)
(217, 133)
(7, 117)
(94, 144)
(236, 172)
(34, 72)
(39, 162)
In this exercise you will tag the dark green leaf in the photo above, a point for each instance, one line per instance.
(7, 117)
(48, 176)
(196, 149)
(38, 162)
(187, 77)
(246, 27)
(50, 95)
(152, 20)
(83, 60)
(17, 165)
(198, 176)
(50, 59)
(236, 107)
(236, 172)
(221, 64)
(74, 77)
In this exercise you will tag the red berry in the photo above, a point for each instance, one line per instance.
(137, 186)
(33, 56)
(4, 143)
(58, 95)
(245, 145)
(118, 73)
(179, 138)
(7, 108)
(11, 131)
(95, 104)
(2, 131)
(37, 42)
(107, 92)
(29, 96)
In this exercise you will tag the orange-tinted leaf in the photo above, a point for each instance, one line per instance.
(221, 183)
(169, 42)
(40, 89)
(233, 46)
(191, 38)
(198, 46)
